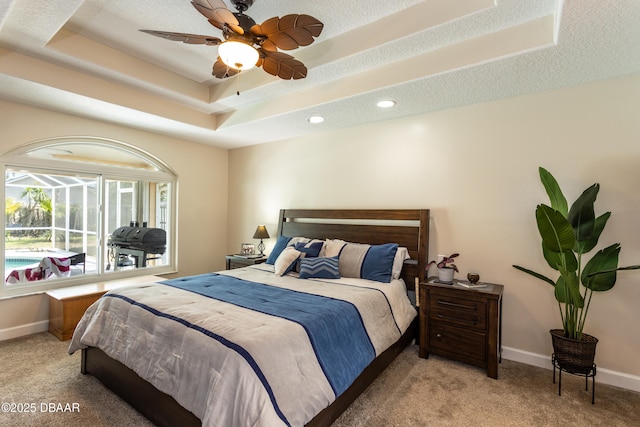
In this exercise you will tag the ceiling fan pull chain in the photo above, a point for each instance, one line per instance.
(238, 83)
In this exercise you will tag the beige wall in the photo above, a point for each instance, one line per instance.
(202, 191)
(476, 169)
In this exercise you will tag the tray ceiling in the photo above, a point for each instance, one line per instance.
(87, 58)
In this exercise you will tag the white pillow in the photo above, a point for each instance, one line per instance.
(402, 254)
(286, 261)
(332, 248)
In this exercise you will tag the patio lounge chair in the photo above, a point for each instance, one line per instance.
(48, 267)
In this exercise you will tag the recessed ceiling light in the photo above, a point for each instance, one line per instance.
(387, 103)
(315, 119)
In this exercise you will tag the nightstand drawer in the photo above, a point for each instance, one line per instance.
(235, 264)
(457, 343)
(468, 313)
(235, 261)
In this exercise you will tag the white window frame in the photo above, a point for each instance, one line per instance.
(18, 159)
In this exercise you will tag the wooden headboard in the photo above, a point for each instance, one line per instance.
(406, 227)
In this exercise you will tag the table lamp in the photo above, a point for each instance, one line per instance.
(261, 233)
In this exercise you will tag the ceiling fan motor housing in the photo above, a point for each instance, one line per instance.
(245, 21)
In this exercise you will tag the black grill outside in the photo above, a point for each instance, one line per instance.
(149, 240)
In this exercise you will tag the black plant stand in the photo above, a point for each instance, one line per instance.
(586, 374)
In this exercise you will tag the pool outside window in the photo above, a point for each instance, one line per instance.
(56, 212)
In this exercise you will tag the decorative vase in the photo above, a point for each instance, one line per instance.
(445, 275)
(571, 355)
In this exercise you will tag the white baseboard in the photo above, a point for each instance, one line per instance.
(22, 330)
(603, 375)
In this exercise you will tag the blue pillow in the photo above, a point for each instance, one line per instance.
(321, 268)
(281, 243)
(378, 262)
(310, 249)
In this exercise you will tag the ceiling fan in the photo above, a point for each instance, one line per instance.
(247, 44)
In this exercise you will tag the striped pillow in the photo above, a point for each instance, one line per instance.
(320, 268)
(371, 262)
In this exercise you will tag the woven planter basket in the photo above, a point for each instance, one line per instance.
(574, 356)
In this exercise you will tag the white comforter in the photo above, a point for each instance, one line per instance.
(217, 379)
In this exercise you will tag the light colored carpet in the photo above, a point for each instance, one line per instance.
(37, 369)
(411, 392)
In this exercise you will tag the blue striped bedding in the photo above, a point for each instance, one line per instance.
(335, 328)
(245, 347)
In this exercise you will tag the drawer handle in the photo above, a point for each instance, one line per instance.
(451, 304)
(440, 316)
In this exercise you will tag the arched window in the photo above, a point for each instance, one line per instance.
(78, 210)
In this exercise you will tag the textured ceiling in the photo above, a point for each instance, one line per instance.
(87, 58)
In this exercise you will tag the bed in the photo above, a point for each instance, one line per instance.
(317, 384)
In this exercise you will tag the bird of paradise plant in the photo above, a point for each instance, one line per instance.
(568, 234)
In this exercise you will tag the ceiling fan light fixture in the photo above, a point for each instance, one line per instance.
(238, 55)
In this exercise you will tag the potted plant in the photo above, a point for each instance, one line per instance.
(567, 235)
(446, 268)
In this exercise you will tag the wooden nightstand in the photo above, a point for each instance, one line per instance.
(462, 324)
(235, 261)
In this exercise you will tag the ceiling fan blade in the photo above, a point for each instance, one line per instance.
(216, 24)
(288, 32)
(185, 38)
(282, 65)
(218, 14)
(222, 70)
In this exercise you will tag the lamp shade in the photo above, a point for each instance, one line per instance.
(238, 55)
(261, 233)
